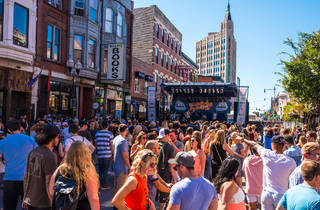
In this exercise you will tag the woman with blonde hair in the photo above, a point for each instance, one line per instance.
(77, 166)
(218, 151)
(134, 194)
(302, 141)
(139, 144)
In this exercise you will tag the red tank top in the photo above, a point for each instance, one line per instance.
(138, 199)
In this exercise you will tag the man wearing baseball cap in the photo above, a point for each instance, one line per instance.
(277, 168)
(165, 170)
(310, 151)
(193, 191)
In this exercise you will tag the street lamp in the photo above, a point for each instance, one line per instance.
(74, 71)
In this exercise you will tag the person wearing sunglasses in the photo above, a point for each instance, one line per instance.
(138, 145)
(134, 194)
(310, 151)
(193, 191)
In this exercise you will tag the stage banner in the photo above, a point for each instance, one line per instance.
(242, 106)
(151, 94)
(116, 69)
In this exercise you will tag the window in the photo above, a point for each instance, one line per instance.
(20, 25)
(162, 35)
(156, 56)
(175, 67)
(77, 48)
(171, 43)
(157, 31)
(93, 10)
(168, 40)
(179, 49)
(56, 47)
(108, 21)
(91, 54)
(49, 42)
(161, 58)
(79, 7)
(136, 85)
(56, 3)
(167, 62)
(1, 20)
(146, 87)
(171, 64)
(176, 48)
(119, 25)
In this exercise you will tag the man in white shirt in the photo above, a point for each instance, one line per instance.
(73, 130)
(277, 168)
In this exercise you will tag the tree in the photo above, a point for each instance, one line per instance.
(301, 74)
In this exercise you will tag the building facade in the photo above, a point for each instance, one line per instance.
(157, 42)
(52, 91)
(216, 53)
(17, 52)
(111, 95)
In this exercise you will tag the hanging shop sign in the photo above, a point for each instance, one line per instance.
(139, 74)
(151, 94)
(115, 62)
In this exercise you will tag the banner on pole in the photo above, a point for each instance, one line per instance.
(116, 68)
(151, 94)
(242, 106)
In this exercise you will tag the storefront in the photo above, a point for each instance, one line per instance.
(15, 96)
(57, 99)
(111, 101)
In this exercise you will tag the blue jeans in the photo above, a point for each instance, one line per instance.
(103, 168)
(208, 170)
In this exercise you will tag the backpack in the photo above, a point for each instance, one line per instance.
(65, 196)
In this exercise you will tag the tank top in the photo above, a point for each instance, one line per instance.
(251, 136)
(217, 152)
(238, 197)
(138, 199)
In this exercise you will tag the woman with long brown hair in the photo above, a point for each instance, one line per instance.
(138, 145)
(218, 151)
(77, 165)
(199, 156)
(134, 194)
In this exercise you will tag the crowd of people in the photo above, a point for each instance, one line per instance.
(57, 164)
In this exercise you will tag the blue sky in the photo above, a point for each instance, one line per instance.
(260, 28)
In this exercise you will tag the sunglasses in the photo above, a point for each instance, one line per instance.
(152, 165)
(143, 137)
(176, 167)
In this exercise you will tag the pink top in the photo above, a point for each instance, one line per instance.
(253, 169)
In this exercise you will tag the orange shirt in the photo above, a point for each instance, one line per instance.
(138, 199)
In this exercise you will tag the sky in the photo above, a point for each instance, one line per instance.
(260, 28)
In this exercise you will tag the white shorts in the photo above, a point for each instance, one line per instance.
(253, 198)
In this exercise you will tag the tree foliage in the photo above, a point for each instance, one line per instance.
(301, 73)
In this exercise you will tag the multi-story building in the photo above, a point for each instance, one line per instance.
(116, 29)
(216, 53)
(157, 42)
(50, 60)
(17, 52)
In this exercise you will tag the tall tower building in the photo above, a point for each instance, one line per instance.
(216, 53)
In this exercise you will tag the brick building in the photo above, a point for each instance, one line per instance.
(157, 42)
(142, 77)
(51, 58)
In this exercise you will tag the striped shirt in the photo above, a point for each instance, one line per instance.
(103, 139)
